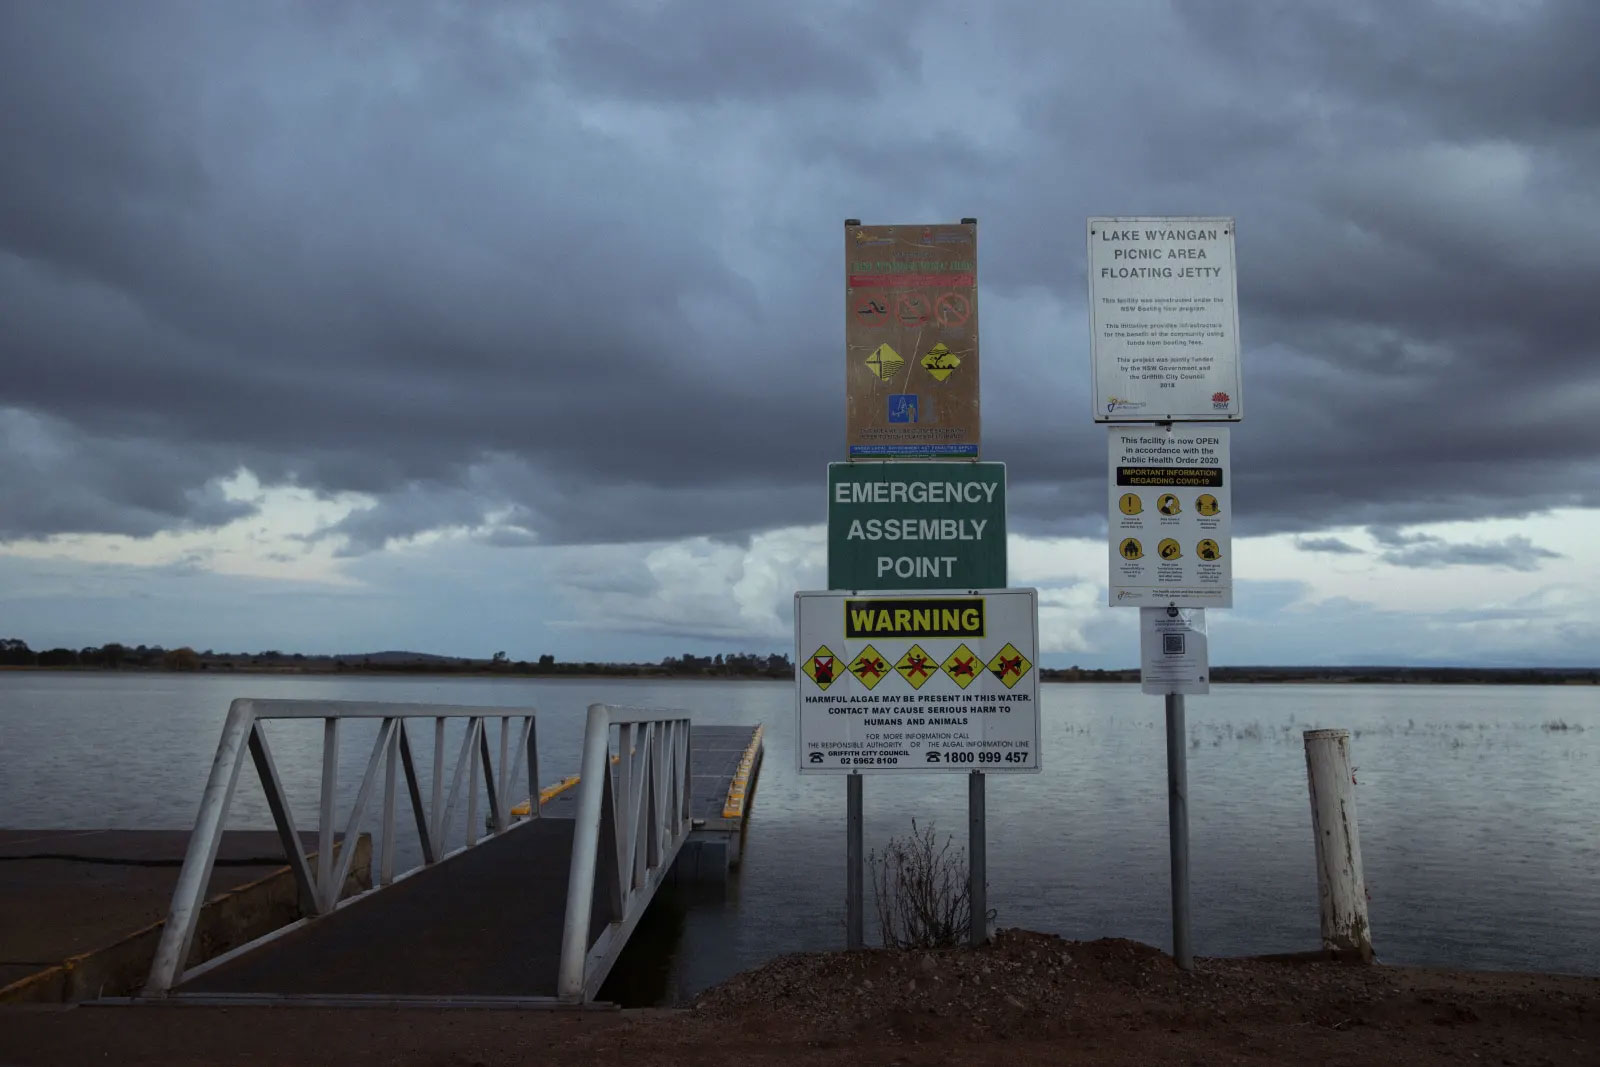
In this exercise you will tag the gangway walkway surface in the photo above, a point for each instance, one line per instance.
(491, 921)
(486, 922)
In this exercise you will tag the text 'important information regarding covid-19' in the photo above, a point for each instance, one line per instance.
(1164, 323)
(907, 682)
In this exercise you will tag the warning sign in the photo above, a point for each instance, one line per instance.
(940, 362)
(952, 309)
(869, 667)
(912, 310)
(885, 362)
(1010, 666)
(914, 617)
(1176, 553)
(935, 683)
(911, 297)
(822, 667)
(872, 309)
(916, 666)
(962, 666)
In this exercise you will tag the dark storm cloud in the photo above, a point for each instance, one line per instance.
(1515, 553)
(1514, 69)
(742, 52)
(1423, 550)
(1327, 544)
(576, 270)
(58, 480)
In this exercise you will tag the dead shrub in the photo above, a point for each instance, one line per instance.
(919, 886)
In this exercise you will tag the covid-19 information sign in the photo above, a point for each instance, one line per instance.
(1170, 516)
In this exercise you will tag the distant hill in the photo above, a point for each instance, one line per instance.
(392, 657)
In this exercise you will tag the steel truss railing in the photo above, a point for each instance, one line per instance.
(633, 816)
(320, 891)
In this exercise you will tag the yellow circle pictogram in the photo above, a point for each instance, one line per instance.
(1168, 504)
(1168, 549)
(1207, 504)
(1131, 548)
(1130, 504)
(1208, 550)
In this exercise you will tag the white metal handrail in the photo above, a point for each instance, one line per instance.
(320, 893)
(629, 827)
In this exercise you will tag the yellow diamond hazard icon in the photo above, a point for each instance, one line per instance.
(940, 362)
(885, 362)
(1009, 665)
(962, 666)
(822, 667)
(869, 667)
(916, 666)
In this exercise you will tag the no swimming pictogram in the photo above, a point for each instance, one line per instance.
(871, 309)
(952, 309)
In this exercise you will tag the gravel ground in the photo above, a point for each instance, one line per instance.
(1026, 999)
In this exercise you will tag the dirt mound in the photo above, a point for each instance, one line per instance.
(1027, 999)
(1029, 982)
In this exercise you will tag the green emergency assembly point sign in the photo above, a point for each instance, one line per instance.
(916, 525)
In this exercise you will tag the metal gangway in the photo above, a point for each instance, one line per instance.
(527, 910)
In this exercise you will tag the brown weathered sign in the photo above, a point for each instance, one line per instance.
(911, 341)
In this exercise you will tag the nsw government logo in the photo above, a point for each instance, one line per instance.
(1115, 404)
(1221, 400)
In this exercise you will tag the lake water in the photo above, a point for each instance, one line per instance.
(1479, 808)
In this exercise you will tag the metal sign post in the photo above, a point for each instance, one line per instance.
(1178, 829)
(1164, 348)
(855, 904)
(940, 677)
(977, 861)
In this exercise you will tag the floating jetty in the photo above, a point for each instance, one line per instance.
(88, 912)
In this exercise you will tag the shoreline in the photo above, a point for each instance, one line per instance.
(1026, 998)
(1426, 676)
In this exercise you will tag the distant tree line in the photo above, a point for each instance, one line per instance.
(116, 656)
(112, 656)
(1358, 675)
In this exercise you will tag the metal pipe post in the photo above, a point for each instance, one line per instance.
(188, 897)
(585, 850)
(854, 901)
(330, 790)
(1178, 829)
(977, 860)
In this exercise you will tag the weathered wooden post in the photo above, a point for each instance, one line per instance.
(1341, 887)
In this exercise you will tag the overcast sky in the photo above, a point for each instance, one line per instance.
(341, 326)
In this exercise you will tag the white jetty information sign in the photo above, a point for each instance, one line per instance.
(1164, 319)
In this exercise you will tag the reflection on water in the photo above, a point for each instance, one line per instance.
(1478, 808)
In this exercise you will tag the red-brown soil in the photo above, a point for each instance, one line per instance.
(1026, 999)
